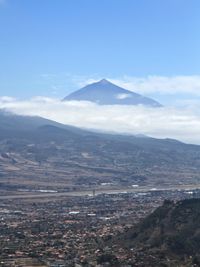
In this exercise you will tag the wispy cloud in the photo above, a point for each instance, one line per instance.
(171, 86)
(158, 84)
(181, 124)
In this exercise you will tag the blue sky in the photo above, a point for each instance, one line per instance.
(49, 47)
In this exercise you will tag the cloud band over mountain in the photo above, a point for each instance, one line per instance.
(164, 122)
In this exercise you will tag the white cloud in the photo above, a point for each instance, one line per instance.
(157, 84)
(181, 124)
(7, 99)
(123, 96)
(152, 85)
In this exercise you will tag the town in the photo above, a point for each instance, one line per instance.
(73, 230)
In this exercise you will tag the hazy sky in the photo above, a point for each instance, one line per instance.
(49, 47)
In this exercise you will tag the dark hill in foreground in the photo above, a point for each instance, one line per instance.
(170, 236)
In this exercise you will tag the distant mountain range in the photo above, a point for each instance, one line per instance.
(107, 93)
(36, 151)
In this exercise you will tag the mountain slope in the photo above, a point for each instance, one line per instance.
(39, 151)
(170, 232)
(107, 93)
(12, 125)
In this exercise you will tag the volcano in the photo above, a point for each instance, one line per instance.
(104, 92)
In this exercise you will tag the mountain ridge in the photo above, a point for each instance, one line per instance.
(75, 157)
